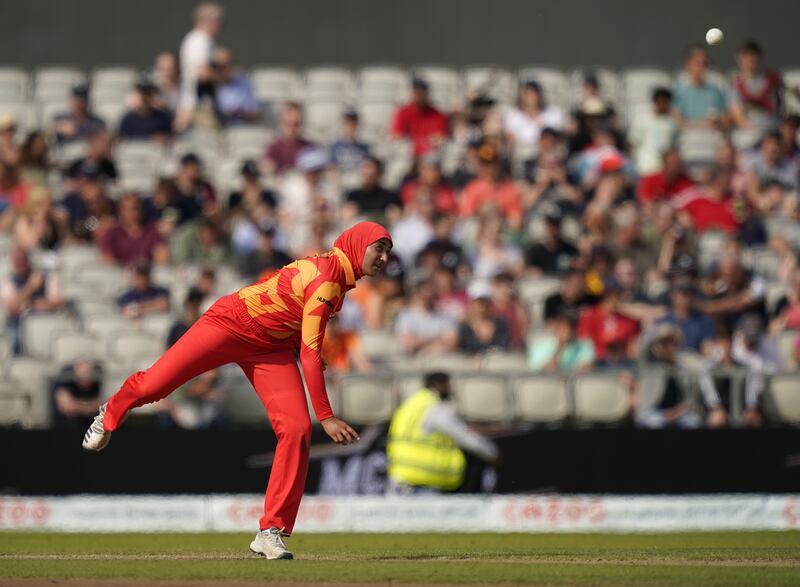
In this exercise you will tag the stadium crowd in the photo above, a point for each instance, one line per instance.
(582, 234)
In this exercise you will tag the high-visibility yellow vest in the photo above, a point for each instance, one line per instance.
(416, 457)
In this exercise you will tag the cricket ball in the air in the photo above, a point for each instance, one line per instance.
(713, 36)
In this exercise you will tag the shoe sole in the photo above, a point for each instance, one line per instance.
(287, 556)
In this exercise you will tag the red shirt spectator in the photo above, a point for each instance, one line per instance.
(711, 207)
(491, 189)
(420, 121)
(671, 180)
(605, 325)
(429, 177)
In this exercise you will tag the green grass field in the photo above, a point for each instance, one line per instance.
(731, 558)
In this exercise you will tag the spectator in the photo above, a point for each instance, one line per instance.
(665, 183)
(133, 239)
(9, 152)
(347, 152)
(551, 183)
(429, 177)
(786, 315)
(146, 119)
(196, 52)
(523, 125)
(372, 200)
(33, 160)
(570, 298)
(194, 196)
(98, 153)
(36, 227)
(76, 394)
(162, 203)
(382, 298)
(304, 193)
(594, 114)
(711, 206)
(561, 349)
(79, 122)
(492, 190)
(266, 257)
(480, 331)
(192, 309)
(696, 329)
(670, 401)
(419, 121)
(699, 103)
(654, 133)
(506, 305)
(551, 254)
(789, 127)
(731, 292)
(421, 328)
(251, 195)
(86, 213)
(451, 298)
(771, 167)
(494, 252)
(236, 99)
(755, 91)
(143, 297)
(758, 354)
(442, 249)
(439, 435)
(167, 79)
(26, 290)
(341, 346)
(612, 333)
(281, 156)
(415, 230)
(199, 242)
(13, 192)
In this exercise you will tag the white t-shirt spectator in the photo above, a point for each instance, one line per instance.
(526, 130)
(196, 51)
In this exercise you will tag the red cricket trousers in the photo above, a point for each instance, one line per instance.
(226, 334)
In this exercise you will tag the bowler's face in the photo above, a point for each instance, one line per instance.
(376, 257)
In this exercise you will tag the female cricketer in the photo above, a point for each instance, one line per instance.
(261, 328)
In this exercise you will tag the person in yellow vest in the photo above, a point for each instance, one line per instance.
(426, 442)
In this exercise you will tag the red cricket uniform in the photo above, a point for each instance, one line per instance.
(261, 328)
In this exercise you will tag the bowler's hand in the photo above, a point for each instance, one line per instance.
(339, 431)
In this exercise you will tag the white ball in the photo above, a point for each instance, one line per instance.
(713, 36)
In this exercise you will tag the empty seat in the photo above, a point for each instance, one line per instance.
(499, 362)
(640, 83)
(247, 142)
(276, 84)
(766, 263)
(366, 399)
(129, 347)
(699, 146)
(540, 398)
(323, 119)
(111, 112)
(33, 376)
(444, 362)
(241, 402)
(14, 83)
(710, 245)
(157, 324)
(383, 84)
(537, 289)
(375, 119)
(405, 385)
(775, 291)
(599, 398)
(71, 257)
(482, 398)
(69, 345)
(783, 397)
(117, 77)
(37, 332)
(329, 84)
(106, 326)
(379, 344)
(14, 407)
(554, 83)
(107, 280)
(445, 85)
(610, 82)
(495, 82)
(23, 112)
(746, 138)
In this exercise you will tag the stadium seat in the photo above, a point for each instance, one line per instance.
(38, 329)
(494, 82)
(34, 377)
(599, 398)
(25, 113)
(782, 226)
(765, 262)
(69, 345)
(107, 280)
(157, 324)
(387, 84)
(247, 142)
(56, 81)
(611, 86)
(710, 245)
(71, 257)
(118, 76)
(775, 291)
(537, 289)
(111, 111)
(375, 119)
(407, 384)
(445, 83)
(501, 362)
(112, 381)
(276, 85)
(329, 84)
(14, 84)
(555, 85)
(787, 341)
(241, 402)
(639, 84)
(379, 345)
(107, 326)
(746, 138)
(322, 119)
(452, 362)
(699, 146)
(540, 398)
(129, 347)
(783, 397)
(366, 399)
(482, 398)
(14, 406)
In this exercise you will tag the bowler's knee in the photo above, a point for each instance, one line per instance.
(297, 431)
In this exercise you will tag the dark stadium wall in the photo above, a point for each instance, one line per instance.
(565, 33)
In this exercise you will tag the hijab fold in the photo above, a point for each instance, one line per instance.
(354, 241)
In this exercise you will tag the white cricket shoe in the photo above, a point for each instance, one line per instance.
(96, 437)
(269, 544)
